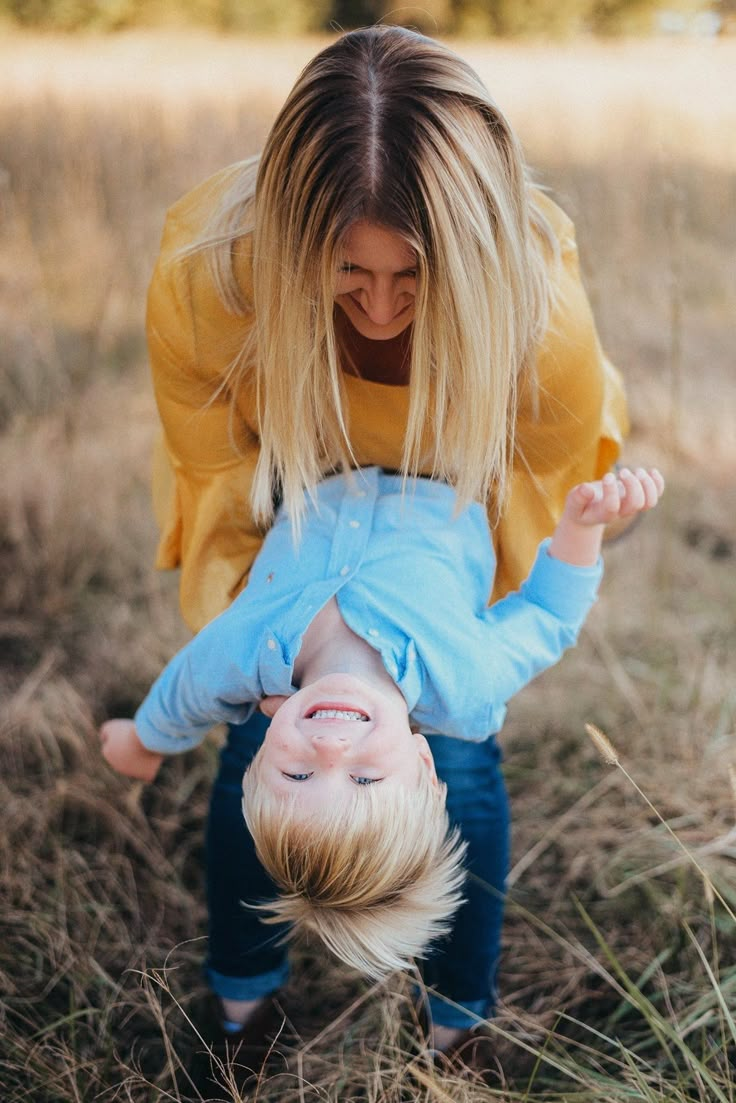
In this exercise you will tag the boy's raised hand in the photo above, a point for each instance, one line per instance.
(591, 506)
(124, 751)
(614, 496)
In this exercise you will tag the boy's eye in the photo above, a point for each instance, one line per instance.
(297, 777)
(367, 780)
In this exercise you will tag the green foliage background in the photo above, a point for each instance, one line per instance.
(474, 17)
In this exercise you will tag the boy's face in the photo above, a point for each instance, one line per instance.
(338, 733)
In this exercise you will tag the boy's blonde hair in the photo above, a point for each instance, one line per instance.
(388, 126)
(377, 879)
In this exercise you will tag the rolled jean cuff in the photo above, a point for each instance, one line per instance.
(247, 988)
(461, 1016)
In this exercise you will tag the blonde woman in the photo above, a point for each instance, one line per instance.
(382, 286)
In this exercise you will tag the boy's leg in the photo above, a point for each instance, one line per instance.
(244, 961)
(462, 969)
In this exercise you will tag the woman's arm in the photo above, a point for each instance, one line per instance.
(204, 466)
(569, 427)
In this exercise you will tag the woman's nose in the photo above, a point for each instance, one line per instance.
(380, 304)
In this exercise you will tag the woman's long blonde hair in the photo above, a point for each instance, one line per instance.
(391, 127)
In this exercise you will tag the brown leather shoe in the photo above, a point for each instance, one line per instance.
(234, 1060)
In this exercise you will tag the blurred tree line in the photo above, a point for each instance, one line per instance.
(465, 17)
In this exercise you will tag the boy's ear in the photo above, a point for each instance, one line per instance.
(270, 705)
(426, 756)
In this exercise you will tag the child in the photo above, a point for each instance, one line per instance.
(373, 627)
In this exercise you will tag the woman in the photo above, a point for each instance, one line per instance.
(382, 286)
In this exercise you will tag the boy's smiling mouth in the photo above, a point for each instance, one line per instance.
(336, 712)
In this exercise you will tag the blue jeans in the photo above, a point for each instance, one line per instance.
(245, 960)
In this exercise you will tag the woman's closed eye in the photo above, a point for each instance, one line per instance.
(347, 269)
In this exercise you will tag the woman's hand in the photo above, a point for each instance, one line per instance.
(124, 751)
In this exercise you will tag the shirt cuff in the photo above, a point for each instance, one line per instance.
(155, 735)
(566, 590)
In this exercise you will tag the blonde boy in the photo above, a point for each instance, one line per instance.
(372, 627)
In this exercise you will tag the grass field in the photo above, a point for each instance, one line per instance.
(618, 980)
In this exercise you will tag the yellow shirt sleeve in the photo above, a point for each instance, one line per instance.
(571, 429)
(204, 463)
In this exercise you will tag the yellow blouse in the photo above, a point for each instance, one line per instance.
(202, 480)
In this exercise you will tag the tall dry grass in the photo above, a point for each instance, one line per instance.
(618, 978)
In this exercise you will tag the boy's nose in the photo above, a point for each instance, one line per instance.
(330, 742)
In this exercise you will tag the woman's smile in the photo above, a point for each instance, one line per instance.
(376, 283)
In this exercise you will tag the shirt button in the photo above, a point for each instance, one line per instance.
(344, 571)
(372, 631)
(360, 494)
(271, 645)
(355, 524)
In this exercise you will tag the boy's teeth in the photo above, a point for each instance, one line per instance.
(337, 714)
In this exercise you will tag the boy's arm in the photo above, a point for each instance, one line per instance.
(212, 680)
(591, 506)
(529, 630)
(123, 750)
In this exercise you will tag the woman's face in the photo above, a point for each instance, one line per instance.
(376, 281)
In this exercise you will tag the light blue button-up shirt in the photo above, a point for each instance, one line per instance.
(411, 577)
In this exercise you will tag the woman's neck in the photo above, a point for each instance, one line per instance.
(386, 362)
